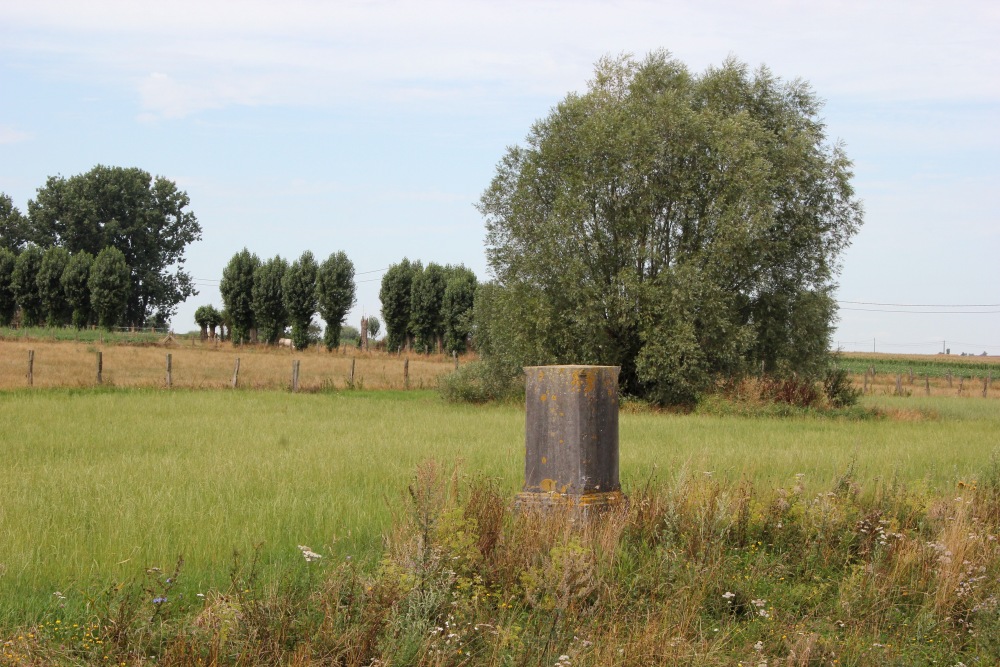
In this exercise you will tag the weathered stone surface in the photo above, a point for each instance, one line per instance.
(571, 435)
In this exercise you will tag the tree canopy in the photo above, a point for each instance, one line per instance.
(236, 288)
(395, 294)
(681, 226)
(335, 295)
(298, 286)
(145, 218)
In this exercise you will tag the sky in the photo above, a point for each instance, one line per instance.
(373, 127)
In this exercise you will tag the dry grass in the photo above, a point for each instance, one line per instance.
(210, 365)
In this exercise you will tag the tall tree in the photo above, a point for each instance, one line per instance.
(8, 300)
(109, 287)
(268, 300)
(457, 308)
(236, 287)
(299, 288)
(13, 225)
(426, 299)
(146, 218)
(335, 295)
(75, 283)
(680, 226)
(50, 289)
(395, 295)
(24, 282)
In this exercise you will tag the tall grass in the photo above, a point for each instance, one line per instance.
(101, 484)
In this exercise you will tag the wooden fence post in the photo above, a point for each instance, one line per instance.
(899, 384)
(100, 367)
(406, 373)
(295, 375)
(170, 370)
(236, 373)
(351, 380)
(865, 391)
(31, 368)
(986, 384)
(961, 383)
(949, 379)
(927, 383)
(911, 375)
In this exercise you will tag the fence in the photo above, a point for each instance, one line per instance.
(51, 364)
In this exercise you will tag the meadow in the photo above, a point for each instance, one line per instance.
(105, 489)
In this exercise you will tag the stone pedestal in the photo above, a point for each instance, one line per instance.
(571, 436)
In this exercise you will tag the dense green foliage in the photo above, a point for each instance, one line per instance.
(426, 299)
(395, 295)
(298, 288)
(335, 295)
(110, 287)
(236, 288)
(269, 301)
(75, 284)
(457, 308)
(684, 227)
(13, 226)
(50, 288)
(8, 299)
(24, 282)
(145, 218)
(208, 318)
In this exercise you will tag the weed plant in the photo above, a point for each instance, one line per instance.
(697, 571)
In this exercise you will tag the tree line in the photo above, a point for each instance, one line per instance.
(105, 247)
(428, 308)
(263, 298)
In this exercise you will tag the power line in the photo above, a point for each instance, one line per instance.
(925, 312)
(925, 305)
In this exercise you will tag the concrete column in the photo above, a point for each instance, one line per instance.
(571, 436)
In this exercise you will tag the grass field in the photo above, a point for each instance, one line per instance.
(101, 484)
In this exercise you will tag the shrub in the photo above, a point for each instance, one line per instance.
(838, 388)
(479, 382)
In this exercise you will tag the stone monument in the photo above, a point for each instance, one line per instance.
(571, 437)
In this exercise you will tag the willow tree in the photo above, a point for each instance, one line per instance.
(683, 226)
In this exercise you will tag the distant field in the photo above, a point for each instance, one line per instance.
(141, 362)
(100, 484)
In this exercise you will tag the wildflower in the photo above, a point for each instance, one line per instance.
(309, 554)
(160, 600)
(759, 646)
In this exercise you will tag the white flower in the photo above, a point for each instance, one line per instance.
(309, 554)
(729, 595)
(759, 646)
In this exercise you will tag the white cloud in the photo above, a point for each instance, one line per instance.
(187, 56)
(9, 135)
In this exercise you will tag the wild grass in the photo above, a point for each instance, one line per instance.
(101, 484)
(694, 570)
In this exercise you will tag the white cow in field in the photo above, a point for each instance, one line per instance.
(286, 342)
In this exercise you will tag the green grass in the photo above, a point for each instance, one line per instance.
(934, 366)
(100, 485)
(84, 335)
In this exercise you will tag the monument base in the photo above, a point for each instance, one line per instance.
(546, 500)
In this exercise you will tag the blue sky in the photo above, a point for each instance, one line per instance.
(372, 127)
